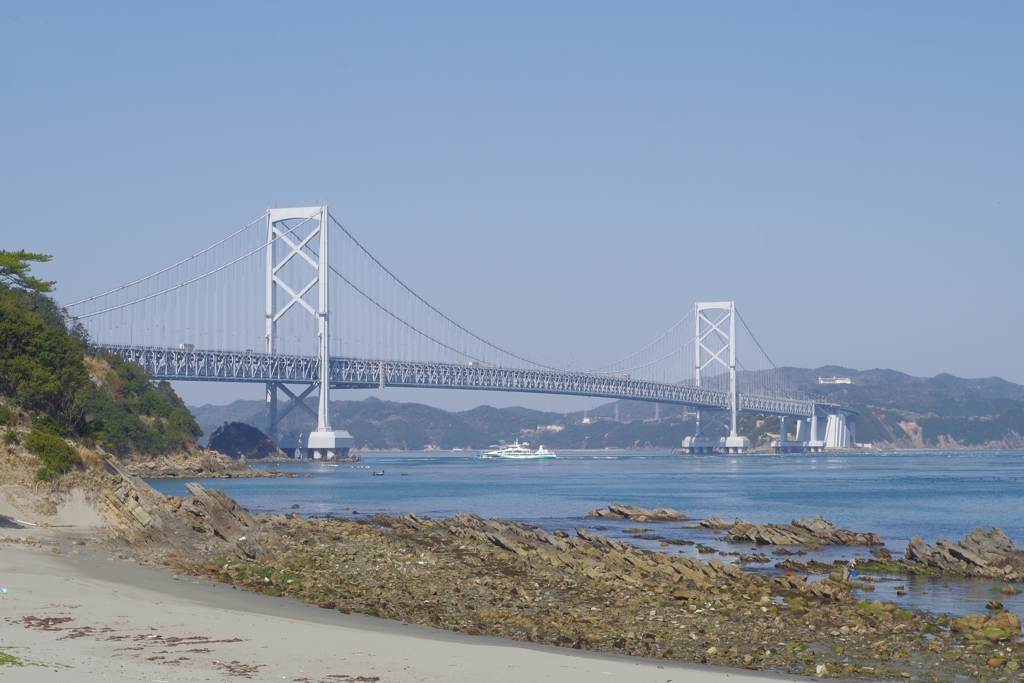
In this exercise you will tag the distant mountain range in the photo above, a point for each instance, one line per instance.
(897, 410)
(387, 425)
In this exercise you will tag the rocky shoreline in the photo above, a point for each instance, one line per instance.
(193, 464)
(572, 588)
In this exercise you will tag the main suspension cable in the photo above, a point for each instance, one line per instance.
(432, 308)
(160, 272)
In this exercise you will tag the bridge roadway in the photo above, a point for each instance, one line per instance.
(352, 373)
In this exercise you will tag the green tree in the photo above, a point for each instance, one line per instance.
(14, 267)
(41, 364)
(57, 456)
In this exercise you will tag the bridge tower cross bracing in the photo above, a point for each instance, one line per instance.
(284, 245)
(715, 335)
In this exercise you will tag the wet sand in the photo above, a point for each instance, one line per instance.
(96, 617)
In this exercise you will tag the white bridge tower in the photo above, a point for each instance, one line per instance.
(291, 235)
(715, 353)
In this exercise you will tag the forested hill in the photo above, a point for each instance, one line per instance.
(897, 410)
(53, 389)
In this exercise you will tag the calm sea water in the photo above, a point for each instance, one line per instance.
(896, 495)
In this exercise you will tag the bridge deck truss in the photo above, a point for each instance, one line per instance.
(230, 366)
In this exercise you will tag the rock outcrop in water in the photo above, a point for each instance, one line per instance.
(631, 512)
(982, 553)
(816, 530)
(717, 524)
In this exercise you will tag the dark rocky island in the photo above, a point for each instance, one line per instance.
(239, 440)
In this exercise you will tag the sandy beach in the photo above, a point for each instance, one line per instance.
(84, 614)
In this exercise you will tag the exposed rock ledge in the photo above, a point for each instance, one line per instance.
(192, 465)
(990, 554)
(208, 524)
(801, 532)
(631, 512)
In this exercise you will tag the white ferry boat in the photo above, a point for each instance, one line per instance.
(519, 451)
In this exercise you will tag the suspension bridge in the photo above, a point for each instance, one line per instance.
(293, 301)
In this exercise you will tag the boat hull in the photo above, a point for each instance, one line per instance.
(518, 451)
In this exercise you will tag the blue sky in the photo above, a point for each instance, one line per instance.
(565, 179)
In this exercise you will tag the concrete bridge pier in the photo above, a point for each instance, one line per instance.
(837, 434)
(736, 445)
(700, 445)
(801, 430)
(815, 444)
